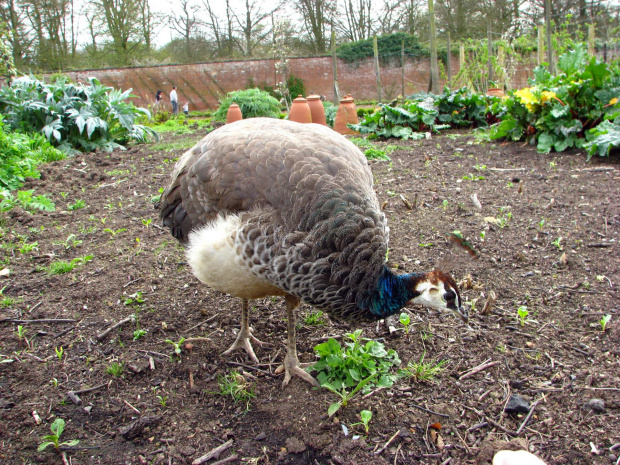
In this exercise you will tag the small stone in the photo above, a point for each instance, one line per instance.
(596, 405)
(187, 450)
(260, 436)
(295, 446)
(613, 458)
(517, 404)
(516, 384)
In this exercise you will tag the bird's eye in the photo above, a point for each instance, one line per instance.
(450, 297)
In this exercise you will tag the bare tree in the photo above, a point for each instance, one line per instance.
(318, 17)
(358, 20)
(186, 24)
(122, 21)
(15, 19)
(253, 25)
(223, 36)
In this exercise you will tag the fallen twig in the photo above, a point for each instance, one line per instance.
(101, 336)
(430, 411)
(227, 459)
(75, 398)
(41, 320)
(385, 446)
(527, 418)
(477, 369)
(265, 372)
(213, 452)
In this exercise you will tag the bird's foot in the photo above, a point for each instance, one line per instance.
(291, 366)
(243, 342)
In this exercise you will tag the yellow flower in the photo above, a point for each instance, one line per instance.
(613, 101)
(547, 95)
(527, 98)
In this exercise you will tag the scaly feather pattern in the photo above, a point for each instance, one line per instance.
(309, 222)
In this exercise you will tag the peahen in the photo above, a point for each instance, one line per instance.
(272, 207)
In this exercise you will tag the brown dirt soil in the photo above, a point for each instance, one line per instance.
(559, 359)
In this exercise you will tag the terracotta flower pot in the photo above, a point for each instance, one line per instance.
(233, 114)
(316, 109)
(346, 114)
(300, 111)
(495, 92)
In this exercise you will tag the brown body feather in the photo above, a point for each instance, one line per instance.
(309, 220)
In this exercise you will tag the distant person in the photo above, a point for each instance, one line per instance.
(174, 100)
(186, 108)
(158, 96)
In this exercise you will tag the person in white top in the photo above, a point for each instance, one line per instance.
(174, 99)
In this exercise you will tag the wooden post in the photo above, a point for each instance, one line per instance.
(461, 57)
(541, 45)
(591, 50)
(402, 69)
(449, 62)
(376, 51)
(549, 47)
(489, 53)
(434, 78)
(335, 70)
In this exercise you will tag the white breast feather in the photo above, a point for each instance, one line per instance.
(213, 255)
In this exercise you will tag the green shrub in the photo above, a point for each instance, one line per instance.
(20, 154)
(73, 117)
(560, 112)
(388, 46)
(295, 87)
(253, 103)
(330, 113)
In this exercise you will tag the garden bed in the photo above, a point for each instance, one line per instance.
(559, 360)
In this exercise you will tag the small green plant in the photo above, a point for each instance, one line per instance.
(162, 401)
(472, 177)
(79, 203)
(482, 235)
(604, 322)
(422, 371)
(365, 416)
(59, 353)
(54, 382)
(115, 369)
(504, 217)
(147, 221)
(138, 333)
(134, 299)
(57, 427)
(541, 224)
(522, 314)
(237, 387)
(27, 248)
(376, 154)
(445, 204)
(557, 243)
(405, 320)
(314, 318)
(114, 233)
(356, 367)
(6, 301)
(21, 335)
(72, 241)
(62, 267)
(176, 345)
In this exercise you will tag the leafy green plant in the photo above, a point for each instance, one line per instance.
(558, 112)
(522, 313)
(138, 333)
(113, 232)
(115, 369)
(356, 366)
(82, 117)
(135, 298)
(26, 199)
(59, 352)
(62, 267)
(405, 320)
(365, 416)
(21, 335)
(57, 428)
(253, 103)
(162, 401)
(314, 318)
(147, 221)
(176, 345)
(27, 248)
(603, 322)
(557, 243)
(79, 203)
(237, 387)
(422, 371)
(376, 154)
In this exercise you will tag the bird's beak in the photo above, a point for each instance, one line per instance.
(463, 313)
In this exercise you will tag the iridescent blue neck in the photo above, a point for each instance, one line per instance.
(392, 292)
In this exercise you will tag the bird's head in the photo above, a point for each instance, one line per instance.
(438, 290)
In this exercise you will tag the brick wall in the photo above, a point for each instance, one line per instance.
(204, 83)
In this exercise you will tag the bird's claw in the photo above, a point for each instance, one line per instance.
(243, 342)
(295, 368)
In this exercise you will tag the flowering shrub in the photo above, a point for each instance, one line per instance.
(564, 111)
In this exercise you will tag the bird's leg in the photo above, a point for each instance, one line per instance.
(291, 364)
(245, 334)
